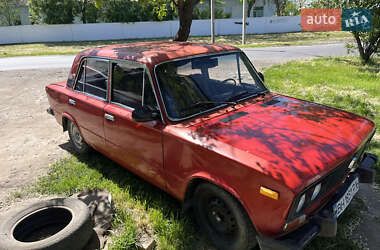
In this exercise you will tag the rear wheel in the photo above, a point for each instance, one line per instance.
(76, 139)
(223, 219)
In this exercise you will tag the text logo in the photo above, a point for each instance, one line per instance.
(336, 19)
(321, 19)
(356, 19)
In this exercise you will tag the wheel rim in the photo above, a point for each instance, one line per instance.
(220, 218)
(76, 136)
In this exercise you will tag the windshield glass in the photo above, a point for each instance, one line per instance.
(192, 86)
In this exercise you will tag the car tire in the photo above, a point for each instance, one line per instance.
(76, 139)
(222, 218)
(52, 224)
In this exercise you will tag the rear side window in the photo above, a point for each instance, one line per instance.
(96, 77)
(80, 81)
(129, 85)
(93, 77)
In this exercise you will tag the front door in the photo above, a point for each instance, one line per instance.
(137, 146)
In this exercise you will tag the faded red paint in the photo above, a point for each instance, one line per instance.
(282, 143)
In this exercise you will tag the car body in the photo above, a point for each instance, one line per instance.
(266, 150)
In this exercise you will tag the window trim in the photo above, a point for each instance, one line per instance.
(266, 90)
(84, 60)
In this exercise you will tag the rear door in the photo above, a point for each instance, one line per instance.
(89, 99)
(137, 146)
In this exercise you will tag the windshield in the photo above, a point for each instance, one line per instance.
(192, 86)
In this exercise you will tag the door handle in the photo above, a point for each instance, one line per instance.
(109, 117)
(72, 102)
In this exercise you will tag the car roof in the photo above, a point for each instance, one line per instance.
(153, 53)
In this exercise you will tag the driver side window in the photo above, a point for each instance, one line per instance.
(131, 86)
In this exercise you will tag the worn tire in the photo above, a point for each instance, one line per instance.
(61, 223)
(213, 207)
(76, 139)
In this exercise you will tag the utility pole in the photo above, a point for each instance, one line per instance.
(244, 21)
(212, 21)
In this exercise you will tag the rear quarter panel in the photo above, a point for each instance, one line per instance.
(58, 95)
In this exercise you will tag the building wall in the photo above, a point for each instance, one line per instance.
(235, 7)
(114, 31)
(24, 15)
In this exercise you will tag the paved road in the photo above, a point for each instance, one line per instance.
(261, 57)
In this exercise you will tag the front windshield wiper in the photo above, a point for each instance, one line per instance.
(245, 93)
(207, 103)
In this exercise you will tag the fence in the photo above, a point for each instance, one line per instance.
(114, 31)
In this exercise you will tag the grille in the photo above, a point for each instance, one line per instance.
(328, 182)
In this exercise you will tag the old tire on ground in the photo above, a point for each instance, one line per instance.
(222, 218)
(76, 139)
(52, 224)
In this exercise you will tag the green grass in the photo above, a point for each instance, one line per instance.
(139, 206)
(259, 40)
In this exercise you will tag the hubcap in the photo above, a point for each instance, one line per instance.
(221, 218)
(77, 138)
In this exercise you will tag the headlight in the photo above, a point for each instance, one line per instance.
(300, 203)
(317, 189)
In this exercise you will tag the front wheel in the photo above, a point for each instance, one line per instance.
(76, 139)
(223, 219)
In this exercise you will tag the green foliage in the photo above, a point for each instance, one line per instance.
(367, 42)
(9, 15)
(291, 9)
(132, 11)
(52, 11)
(204, 11)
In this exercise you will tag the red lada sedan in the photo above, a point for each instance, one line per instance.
(197, 120)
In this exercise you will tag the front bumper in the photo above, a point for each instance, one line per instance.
(323, 224)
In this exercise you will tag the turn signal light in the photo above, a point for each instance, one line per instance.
(269, 193)
(294, 223)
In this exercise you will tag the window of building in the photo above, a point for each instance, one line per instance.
(258, 11)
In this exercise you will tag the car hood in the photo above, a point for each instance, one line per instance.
(294, 141)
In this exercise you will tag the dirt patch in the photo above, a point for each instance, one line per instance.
(31, 139)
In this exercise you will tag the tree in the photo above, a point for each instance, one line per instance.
(52, 11)
(205, 12)
(9, 15)
(280, 5)
(293, 8)
(250, 4)
(184, 9)
(88, 10)
(130, 11)
(367, 42)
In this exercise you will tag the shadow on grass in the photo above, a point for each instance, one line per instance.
(147, 195)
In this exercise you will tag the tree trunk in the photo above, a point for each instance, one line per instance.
(278, 7)
(185, 14)
(84, 18)
(250, 6)
(372, 46)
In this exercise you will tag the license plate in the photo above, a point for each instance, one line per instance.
(346, 199)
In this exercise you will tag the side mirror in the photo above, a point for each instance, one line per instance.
(261, 75)
(145, 114)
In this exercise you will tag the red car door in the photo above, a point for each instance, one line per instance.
(137, 146)
(87, 102)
